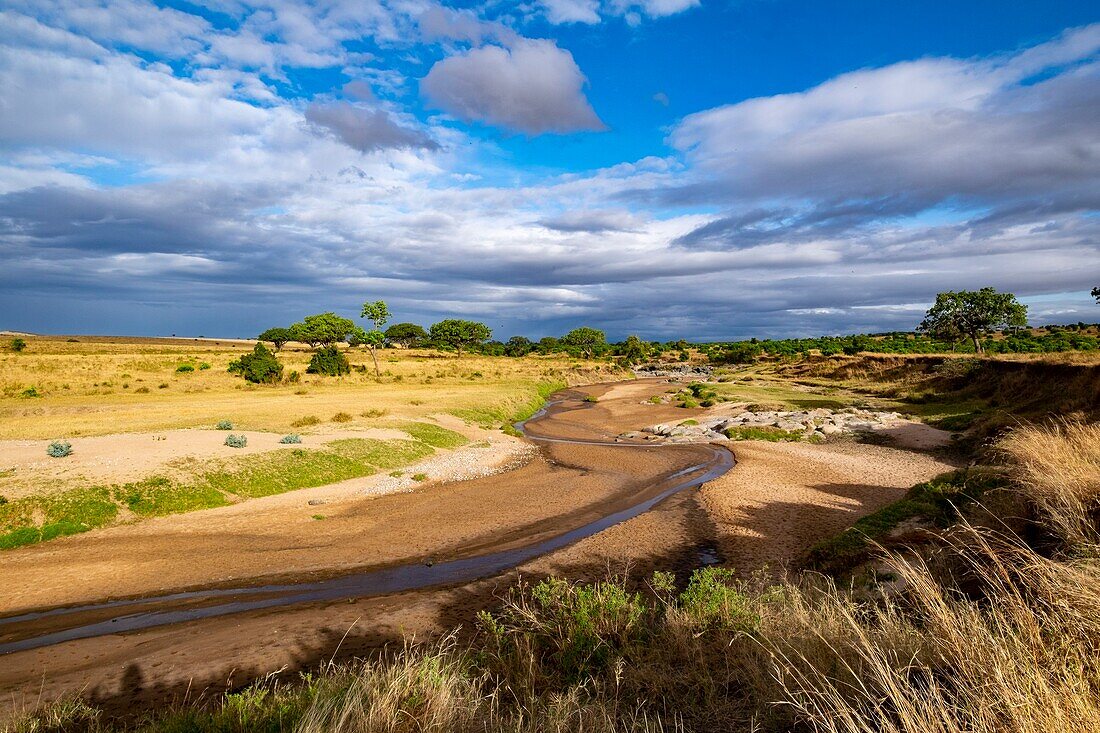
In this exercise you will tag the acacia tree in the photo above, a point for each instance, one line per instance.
(972, 313)
(586, 339)
(459, 334)
(406, 335)
(277, 336)
(377, 313)
(1096, 294)
(322, 329)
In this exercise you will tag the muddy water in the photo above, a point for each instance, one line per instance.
(53, 626)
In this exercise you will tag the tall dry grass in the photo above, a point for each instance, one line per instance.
(1058, 468)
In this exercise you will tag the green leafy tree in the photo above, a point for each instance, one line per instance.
(549, 345)
(259, 367)
(372, 340)
(973, 314)
(279, 337)
(406, 335)
(329, 361)
(459, 334)
(634, 350)
(588, 340)
(322, 329)
(377, 313)
(18, 344)
(518, 346)
(742, 352)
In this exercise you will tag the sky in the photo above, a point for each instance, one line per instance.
(701, 169)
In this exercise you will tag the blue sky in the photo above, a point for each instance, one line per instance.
(669, 168)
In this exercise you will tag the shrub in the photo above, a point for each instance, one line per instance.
(59, 449)
(203, 366)
(329, 361)
(420, 477)
(341, 417)
(305, 422)
(373, 413)
(224, 425)
(141, 390)
(29, 393)
(294, 377)
(259, 367)
(236, 441)
(291, 438)
(713, 600)
(184, 368)
(18, 344)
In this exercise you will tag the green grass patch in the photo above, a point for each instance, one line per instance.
(382, 454)
(157, 496)
(40, 518)
(768, 433)
(937, 501)
(511, 411)
(434, 435)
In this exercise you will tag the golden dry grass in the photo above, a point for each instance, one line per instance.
(115, 385)
(1058, 468)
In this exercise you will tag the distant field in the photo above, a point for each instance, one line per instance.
(59, 388)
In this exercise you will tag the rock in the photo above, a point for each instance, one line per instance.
(829, 429)
(316, 502)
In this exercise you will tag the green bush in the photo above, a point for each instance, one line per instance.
(259, 367)
(224, 425)
(184, 368)
(60, 449)
(329, 361)
(291, 438)
(713, 600)
(18, 344)
(29, 393)
(204, 366)
(236, 441)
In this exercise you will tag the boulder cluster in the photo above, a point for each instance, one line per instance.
(805, 425)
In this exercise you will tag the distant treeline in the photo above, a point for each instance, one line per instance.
(1047, 339)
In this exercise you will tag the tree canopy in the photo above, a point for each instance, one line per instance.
(322, 329)
(377, 313)
(459, 334)
(586, 339)
(972, 314)
(406, 335)
(1096, 294)
(278, 336)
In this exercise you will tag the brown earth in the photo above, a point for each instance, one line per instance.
(777, 501)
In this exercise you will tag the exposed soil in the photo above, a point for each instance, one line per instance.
(775, 503)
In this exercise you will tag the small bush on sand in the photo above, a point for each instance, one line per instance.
(341, 417)
(291, 438)
(184, 369)
(59, 449)
(236, 441)
(18, 345)
(203, 366)
(329, 361)
(224, 425)
(259, 367)
(305, 422)
(30, 393)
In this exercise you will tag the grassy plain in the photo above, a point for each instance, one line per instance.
(69, 388)
(64, 388)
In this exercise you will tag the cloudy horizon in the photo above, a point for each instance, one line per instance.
(670, 168)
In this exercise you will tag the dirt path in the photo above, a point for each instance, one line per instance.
(762, 512)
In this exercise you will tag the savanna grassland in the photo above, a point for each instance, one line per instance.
(141, 418)
(965, 602)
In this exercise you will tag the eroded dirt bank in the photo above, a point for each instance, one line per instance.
(564, 487)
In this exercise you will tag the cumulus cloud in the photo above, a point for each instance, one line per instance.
(532, 87)
(365, 129)
(592, 11)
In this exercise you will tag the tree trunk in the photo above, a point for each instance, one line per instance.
(977, 343)
(374, 355)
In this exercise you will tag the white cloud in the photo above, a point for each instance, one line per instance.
(533, 87)
(572, 11)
